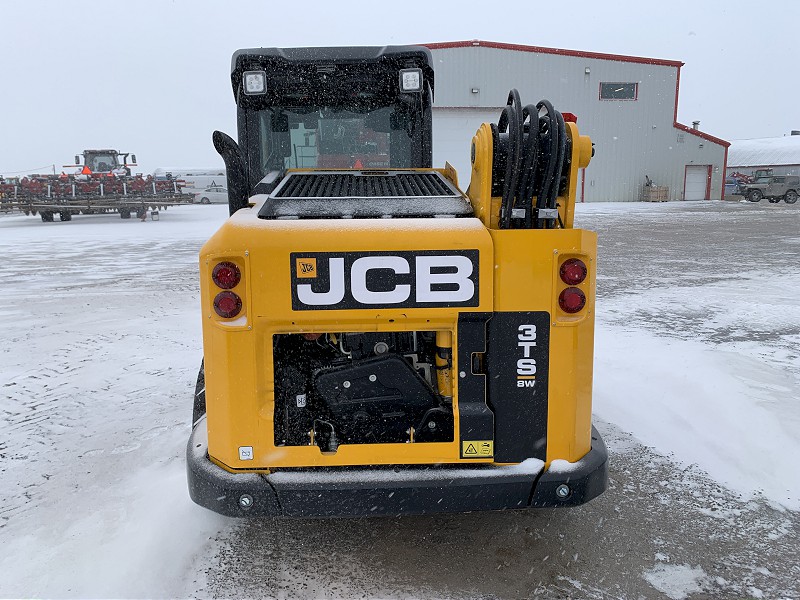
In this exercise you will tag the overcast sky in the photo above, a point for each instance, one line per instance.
(153, 77)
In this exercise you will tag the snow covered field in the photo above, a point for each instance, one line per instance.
(697, 371)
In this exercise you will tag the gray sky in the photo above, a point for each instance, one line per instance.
(152, 77)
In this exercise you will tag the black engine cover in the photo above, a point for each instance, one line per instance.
(375, 400)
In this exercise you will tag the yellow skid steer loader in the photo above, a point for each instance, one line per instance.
(376, 340)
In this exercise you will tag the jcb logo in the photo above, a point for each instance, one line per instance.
(384, 280)
(306, 268)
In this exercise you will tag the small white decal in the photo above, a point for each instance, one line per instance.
(245, 453)
(301, 400)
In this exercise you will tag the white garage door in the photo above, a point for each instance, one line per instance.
(452, 137)
(696, 182)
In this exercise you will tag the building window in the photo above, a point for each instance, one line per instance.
(619, 91)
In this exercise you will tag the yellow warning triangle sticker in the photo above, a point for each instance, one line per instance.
(477, 448)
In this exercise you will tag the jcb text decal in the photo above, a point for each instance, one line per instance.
(330, 281)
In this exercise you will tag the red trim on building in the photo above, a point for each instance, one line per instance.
(558, 51)
(696, 132)
(700, 134)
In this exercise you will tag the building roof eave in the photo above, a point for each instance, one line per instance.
(701, 134)
(558, 51)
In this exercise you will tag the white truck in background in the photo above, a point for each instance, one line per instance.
(195, 181)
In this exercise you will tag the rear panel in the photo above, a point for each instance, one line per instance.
(328, 307)
(386, 319)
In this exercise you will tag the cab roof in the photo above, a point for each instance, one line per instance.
(329, 60)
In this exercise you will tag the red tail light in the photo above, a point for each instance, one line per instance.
(573, 271)
(226, 275)
(227, 305)
(572, 300)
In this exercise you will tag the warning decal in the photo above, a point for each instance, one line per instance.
(477, 449)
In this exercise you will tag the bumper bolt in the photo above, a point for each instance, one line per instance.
(346, 384)
(563, 492)
(245, 501)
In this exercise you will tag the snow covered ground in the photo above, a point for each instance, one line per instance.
(101, 345)
(696, 382)
(698, 351)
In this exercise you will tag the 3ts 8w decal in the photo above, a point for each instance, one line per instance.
(526, 363)
(517, 378)
(433, 278)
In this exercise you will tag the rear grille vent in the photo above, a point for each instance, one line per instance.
(350, 185)
(364, 195)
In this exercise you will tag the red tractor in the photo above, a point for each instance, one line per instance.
(103, 183)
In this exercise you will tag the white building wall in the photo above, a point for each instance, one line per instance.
(633, 138)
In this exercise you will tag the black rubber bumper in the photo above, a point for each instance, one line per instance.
(406, 490)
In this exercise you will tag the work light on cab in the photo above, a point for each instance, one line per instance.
(255, 82)
(573, 271)
(572, 300)
(227, 305)
(226, 275)
(411, 80)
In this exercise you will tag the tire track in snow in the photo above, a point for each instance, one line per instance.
(39, 408)
(74, 407)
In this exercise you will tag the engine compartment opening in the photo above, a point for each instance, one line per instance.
(363, 388)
